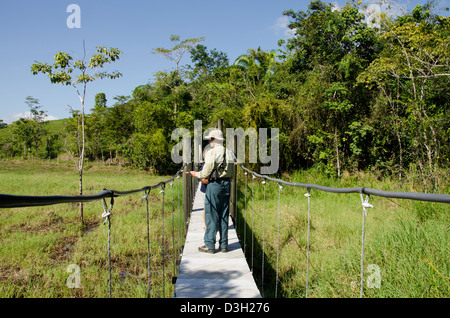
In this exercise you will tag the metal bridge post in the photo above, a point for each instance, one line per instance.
(187, 194)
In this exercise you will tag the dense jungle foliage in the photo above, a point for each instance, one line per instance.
(347, 94)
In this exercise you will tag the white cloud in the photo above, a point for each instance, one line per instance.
(280, 27)
(14, 117)
(373, 15)
(51, 117)
(335, 6)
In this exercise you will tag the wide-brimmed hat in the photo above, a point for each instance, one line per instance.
(216, 134)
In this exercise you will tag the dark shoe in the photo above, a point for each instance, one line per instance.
(204, 249)
(224, 250)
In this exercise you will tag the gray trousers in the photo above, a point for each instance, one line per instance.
(217, 201)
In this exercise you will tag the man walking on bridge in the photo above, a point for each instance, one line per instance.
(218, 168)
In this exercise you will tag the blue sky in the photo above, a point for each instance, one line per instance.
(33, 30)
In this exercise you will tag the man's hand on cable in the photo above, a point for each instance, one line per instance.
(192, 173)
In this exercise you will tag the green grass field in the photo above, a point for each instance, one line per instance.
(39, 244)
(407, 241)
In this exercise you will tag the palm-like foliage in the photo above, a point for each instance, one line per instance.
(257, 63)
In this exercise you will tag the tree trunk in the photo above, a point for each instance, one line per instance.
(337, 152)
(401, 156)
(81, 164)
(81, 193)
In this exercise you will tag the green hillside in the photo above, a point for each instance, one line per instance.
(50, 141)
(52, 126)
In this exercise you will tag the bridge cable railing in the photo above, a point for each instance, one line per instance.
(430, 197)
(19, 201)
(10, 201)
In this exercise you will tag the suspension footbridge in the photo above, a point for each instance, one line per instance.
(218, 275)
(200, 275)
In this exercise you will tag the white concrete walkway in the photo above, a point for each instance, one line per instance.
(219, 275)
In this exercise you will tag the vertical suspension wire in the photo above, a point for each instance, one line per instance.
(245, 213)
(173, 241)
(278, 238)
(109, 254)
(236, 210)
(181, 219)
(148, 243)
(173, 231)
(162, 240)
(106, 214)
(253, 219)
(263, 239)
(308, 195)
(365, 204)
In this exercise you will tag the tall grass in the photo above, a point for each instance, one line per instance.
(38, 244)
(407, 241)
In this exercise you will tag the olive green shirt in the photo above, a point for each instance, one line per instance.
(213, 159)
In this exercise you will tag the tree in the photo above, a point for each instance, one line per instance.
(100, 100)
(175, 55)
(206, 63)
(329, 49)
(258, 62)
(34, 106)
(148, 146)
(413, 74)
(210, 85)
(28, 132)
(79, 74)
(96, 125)
(37, 116)
(326, 36)
(24, 131)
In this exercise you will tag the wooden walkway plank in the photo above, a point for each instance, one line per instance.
(218, 275)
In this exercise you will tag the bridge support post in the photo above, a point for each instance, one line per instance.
(233, 186)
(187, 194)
